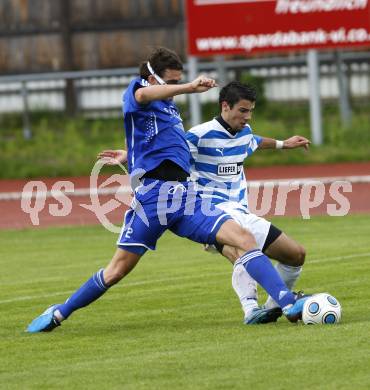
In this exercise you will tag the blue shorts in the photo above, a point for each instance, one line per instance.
(160, 205)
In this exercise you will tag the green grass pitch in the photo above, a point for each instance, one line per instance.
(174, 322)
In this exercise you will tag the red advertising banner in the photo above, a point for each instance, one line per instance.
(250, 26)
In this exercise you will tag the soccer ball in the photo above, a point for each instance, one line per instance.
(321, 309)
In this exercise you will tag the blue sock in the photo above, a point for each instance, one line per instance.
(94, 288)
(264, 273)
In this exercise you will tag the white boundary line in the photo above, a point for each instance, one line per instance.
(127, 189)
(76, 192)
(309, 180)
(152, 281)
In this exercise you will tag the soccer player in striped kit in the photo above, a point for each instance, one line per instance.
(219, 148)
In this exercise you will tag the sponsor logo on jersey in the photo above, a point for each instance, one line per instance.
(229, 169)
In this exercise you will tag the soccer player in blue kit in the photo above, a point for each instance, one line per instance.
(159, 166)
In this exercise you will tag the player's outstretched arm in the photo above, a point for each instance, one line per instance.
(297, 141)
(160, 92)
(113, 157)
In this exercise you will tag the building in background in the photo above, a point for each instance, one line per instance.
(60, 35)
(79, 55)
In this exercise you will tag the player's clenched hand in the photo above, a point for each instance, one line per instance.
(296, 141)
(113, 157)
(202, 84)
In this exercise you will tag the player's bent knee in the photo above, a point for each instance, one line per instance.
(300, 256)
(246, 242)
(232, 234)
(230, 253)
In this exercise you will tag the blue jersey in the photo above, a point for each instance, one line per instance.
(217, 161)
(154, 131)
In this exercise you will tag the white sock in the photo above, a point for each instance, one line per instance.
(290, 275)
(58, 315)
(245, 287)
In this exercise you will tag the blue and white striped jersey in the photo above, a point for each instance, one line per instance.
(217, 161)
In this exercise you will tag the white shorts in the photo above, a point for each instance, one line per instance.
(258, 226)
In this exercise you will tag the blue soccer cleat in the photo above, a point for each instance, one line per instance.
(45, 322)
(263, 316)
(293, 312)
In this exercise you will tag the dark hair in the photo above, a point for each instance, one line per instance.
(160, 59)
(235, 91)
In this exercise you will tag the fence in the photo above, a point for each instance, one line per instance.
(99, 92)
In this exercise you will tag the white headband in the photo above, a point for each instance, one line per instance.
(159, 79)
